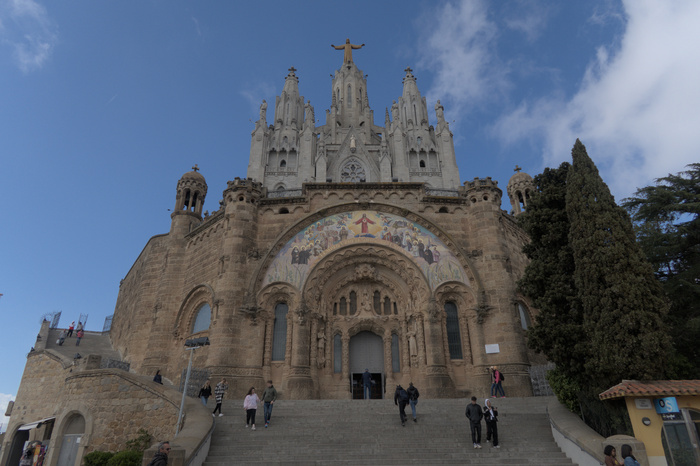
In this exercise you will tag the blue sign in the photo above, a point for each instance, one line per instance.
(666, 405)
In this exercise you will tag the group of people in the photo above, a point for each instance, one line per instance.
(250, 403)
(489, 414)
(409, 396)
(69, 333)
(627, 456)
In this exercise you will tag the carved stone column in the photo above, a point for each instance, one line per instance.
(439, 383)
(299, 383)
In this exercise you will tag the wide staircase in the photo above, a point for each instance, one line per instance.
(344, 432)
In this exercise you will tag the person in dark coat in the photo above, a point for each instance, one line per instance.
(367, 384)
(474, 414)
(161, 456)
(491, 419)
(401, 399)
(205, 392)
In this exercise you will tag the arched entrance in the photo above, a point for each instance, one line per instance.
(21, 437)
(367, 352)
(74, 430)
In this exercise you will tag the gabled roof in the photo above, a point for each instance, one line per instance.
(652, 388)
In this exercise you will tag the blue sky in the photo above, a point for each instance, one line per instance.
(104, 105)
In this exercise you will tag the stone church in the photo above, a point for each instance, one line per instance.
(348, 246)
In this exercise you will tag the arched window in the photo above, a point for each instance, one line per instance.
(283, 163)
(279, 332)
(337, 354)
(203, 319)
(377, 302)
(349, 95)
(524, 317)
(454, 338)
(395, 360)
(353, 303)
(422, 163)
(343, 306)
(387, 306)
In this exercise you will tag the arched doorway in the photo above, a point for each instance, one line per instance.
(21, 437)
(74, 430)
(367, 352)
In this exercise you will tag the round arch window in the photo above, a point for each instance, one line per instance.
(203, 319)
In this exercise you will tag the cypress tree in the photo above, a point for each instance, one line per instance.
(548, 279)
(622, 304)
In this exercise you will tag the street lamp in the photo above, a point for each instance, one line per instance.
(190, 345)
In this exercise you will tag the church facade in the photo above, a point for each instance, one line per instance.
(348, 246)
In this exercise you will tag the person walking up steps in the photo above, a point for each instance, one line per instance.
(250, 404)
(474, 415)
(401, 399)
(269, 397)
(367, 384)
(70, 329)
(413, 399)
(491, 418)
(219, 392)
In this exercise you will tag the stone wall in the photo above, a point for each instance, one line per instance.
(221, 262)
(114, 404)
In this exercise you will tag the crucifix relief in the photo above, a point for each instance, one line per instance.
(347, 47)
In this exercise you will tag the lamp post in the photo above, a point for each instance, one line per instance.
(190, 345)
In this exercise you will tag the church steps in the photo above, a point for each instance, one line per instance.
(345, 432)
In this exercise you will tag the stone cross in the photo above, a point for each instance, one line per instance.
(517, 169)
(195, 168)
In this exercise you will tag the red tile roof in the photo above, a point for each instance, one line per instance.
(652, 388)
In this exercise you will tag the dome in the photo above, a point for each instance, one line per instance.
(194, 175)
(520, 178)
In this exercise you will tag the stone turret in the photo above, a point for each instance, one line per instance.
(519, 188)
(189, 201)
(483, 191)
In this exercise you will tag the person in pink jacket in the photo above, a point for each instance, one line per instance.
(250, 404)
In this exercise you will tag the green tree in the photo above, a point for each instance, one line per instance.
(601, 309)
(548, 280)
(623, 305)
(667, 223)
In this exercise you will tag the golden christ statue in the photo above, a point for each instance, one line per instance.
(347, 58)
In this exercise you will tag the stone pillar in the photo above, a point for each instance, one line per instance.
(299, 384)
(439, 384)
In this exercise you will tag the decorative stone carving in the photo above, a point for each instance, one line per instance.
(250, 308)
(321, 358)
(365, 272)
(433, 311)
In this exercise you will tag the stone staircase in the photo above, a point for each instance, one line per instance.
(92, 343)
(345, 432)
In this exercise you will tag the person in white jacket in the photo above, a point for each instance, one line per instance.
(250, 404)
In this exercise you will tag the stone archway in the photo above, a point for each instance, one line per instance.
(73, 431)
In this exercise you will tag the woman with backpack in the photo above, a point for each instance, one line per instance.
(498, 378)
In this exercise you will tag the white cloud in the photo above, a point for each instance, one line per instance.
(4, 400)
(459, 51)
(528, 18)
(28, 31)
(637, 107)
